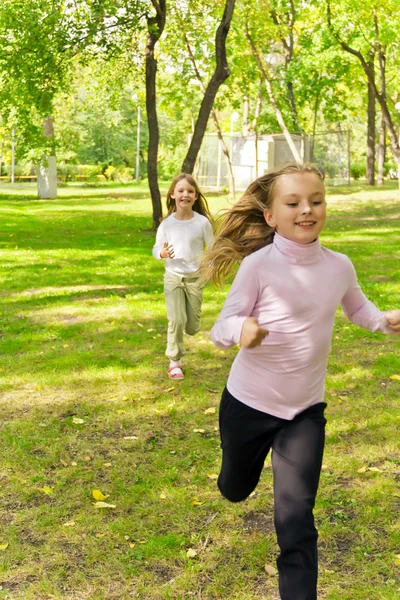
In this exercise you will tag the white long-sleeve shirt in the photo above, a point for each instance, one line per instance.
(188, 237)
(293, 290)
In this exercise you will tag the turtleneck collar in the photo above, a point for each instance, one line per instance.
(301, 254)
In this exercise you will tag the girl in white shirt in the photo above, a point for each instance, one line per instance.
(280, 310)
(181, 239)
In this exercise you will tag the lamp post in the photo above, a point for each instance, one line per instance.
(234, 117)
(12, 155)
(138, 146)
(397, 107)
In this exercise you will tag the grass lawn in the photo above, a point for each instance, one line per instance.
(86, 405)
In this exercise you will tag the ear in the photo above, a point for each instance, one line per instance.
(269, 218)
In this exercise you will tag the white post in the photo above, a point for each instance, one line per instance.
(12, 155)
(138, 146)
(219, 165)
(397, 107)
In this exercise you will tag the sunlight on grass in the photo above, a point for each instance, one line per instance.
(87, 405)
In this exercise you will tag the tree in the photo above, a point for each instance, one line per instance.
(155, 27)
(220, 74)
(361, 31)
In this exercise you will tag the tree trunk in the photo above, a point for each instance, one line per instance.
(47, 169)
(246, 112)
(274, 104)
(382, 153)
(382, 131)
(221, 73)
(371, 132)
(286, 34)
(155, 27)
(215, 119)
(381, 97)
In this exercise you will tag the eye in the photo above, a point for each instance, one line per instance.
(316, 202)
(292, 204)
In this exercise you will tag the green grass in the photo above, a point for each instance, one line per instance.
(86, 405)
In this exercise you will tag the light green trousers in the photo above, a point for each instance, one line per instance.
(183, 297)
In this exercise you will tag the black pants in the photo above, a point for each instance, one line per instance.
(247, 435)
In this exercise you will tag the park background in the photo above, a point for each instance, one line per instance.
(118, 96)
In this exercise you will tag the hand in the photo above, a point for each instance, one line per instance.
(393, 319)
(167, 251)
(252, 334)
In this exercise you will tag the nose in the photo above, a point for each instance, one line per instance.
(306, 208)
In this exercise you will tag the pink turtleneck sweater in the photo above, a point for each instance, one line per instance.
(293, 290)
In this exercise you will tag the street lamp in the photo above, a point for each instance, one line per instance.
(137, 173)
(397, 107)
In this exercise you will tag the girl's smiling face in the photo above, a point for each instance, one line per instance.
(184, 195)
(298, 210)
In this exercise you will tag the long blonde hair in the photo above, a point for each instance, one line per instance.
(200, 206)
(243, 228)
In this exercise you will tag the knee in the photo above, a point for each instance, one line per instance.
(176, 324)
(233, 494)
(294, 521)
(192, 330)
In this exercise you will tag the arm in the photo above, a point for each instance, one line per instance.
(360, 311)
(160, 242)
(235, 324)
(161, 249)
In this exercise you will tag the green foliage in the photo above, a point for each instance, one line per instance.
(358, 170)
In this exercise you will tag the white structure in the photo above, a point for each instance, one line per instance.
(47, 178)
(251, 157)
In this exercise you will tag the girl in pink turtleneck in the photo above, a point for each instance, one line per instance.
(280, 310)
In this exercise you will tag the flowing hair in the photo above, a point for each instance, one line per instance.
(200, 205)
(242, 229)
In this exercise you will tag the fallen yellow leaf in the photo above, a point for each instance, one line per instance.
(210, 411)
(375, 469)
(199, 430)
(131, 437)
(132, 545)
(196, 502)
(163, 496)
(47, 490)
(395, 377)
(77, 420)
(362, 470)
(69, 524)
(191, 553)
(97, 495)
(3, 546)
(103, 505)
(212, 476)
(107, 465)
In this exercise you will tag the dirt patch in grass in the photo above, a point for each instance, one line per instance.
(260, 522)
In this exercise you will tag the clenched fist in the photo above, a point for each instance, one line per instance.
(252, 334)
(393, 319)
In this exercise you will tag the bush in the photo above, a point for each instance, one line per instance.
(89, 172)
(358, 170)
(67, 172)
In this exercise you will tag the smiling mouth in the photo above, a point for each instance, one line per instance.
(306, 223)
